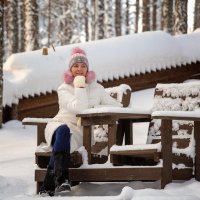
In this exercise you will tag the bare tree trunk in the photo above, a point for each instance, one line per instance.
(167, 16)
(21, 26)
(137, 4)
(100, 19)
(86, 15)
(146, 16)
(108, 19)
(94, 19)
(118, 31)
(127, 17)
(1, 60)
(49, 23)
(31, 25)
(154, 17)
(12, 26)
(180, 17)
(197, 14)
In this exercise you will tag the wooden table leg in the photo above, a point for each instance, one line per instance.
(120, 132)
(128, 131)
(197, 149)
(166, 142)
(87, 141)
(112, 130)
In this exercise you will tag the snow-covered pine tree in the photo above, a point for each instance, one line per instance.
(118, 23)
(31, 25)
(167, 16)
(197, 14)
(108, 19)
(180, 26)
(11, 26)
(1, 60)
(146, 16)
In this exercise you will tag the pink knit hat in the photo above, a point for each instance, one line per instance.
(78, 55)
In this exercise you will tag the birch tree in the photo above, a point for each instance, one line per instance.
(167, 16)
(1, 60)
(180, 26)
(137, 6)
(197, 14)
(31, 25)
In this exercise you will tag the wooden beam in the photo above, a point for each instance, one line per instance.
(166, 142)
(115, 174)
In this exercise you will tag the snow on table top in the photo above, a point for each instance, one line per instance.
(194, 114)
(109, 109)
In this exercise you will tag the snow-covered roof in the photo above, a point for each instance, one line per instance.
(30, 73)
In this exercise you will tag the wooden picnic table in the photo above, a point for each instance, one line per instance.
(119, 125)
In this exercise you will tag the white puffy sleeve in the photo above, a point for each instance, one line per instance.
(73, 101)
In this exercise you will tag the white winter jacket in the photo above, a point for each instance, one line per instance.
(71, 101)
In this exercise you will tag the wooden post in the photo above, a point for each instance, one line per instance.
(197, 149)
(166, 142)
(87, 141)
(120, 132)
(40, 133)
(111, 136)
(128, 131)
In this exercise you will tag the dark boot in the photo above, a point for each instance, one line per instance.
(48, 186)
(61, 173)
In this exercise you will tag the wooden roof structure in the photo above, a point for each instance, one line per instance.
(46, 105)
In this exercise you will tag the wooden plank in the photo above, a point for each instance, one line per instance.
(135, 152)
(177, 118)
(115, 174)
(166, 142)
(97, 120)
(197, 150)
(117, 115)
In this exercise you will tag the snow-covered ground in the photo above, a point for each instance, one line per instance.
(18, 144)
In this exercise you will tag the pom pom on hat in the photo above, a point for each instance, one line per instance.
(78, 55)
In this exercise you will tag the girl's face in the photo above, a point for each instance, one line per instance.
(79, 69)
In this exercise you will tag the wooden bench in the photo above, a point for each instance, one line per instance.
(176, 165)
(121, 93)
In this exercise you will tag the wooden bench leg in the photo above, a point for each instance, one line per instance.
(166, 142)
(197, 149)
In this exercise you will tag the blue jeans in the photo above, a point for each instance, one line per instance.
(61, 144)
